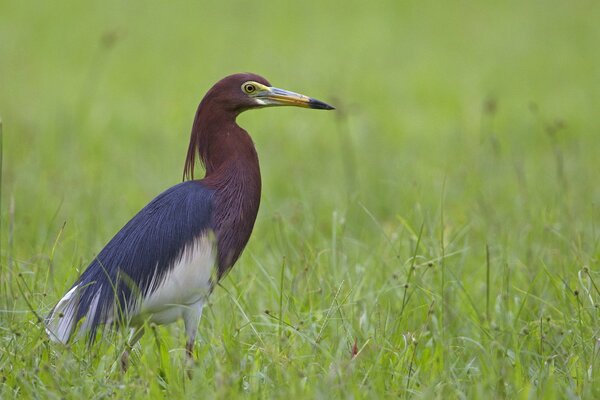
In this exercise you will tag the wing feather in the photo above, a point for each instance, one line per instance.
(135, 261)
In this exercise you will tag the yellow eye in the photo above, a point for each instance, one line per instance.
(249, 87)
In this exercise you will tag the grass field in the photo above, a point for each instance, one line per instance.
(438, 236)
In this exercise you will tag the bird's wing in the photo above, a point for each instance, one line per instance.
(134, 265)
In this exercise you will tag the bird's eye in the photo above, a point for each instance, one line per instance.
(249, 88)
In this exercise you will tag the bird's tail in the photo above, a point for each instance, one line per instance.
(91, 302)
(62, 320)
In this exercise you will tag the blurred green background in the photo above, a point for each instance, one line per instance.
(474, 123)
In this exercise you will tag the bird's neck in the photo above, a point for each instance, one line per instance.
(226, 150)
(232, 171)
(227, 147)
(230, 162)
(218, 141)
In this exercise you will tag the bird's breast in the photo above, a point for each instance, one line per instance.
(188, 281)
(235, 207)
(234, 218)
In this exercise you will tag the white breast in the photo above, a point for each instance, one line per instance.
(186, 284)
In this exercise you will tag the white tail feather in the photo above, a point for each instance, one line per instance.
(61, 322)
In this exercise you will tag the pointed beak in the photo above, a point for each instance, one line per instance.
(273, 96)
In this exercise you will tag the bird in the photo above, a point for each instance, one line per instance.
(165, 262)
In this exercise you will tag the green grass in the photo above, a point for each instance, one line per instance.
(435, 237)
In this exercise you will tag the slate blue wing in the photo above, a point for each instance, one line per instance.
(135, 261)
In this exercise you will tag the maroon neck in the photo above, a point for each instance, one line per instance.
(232, 171)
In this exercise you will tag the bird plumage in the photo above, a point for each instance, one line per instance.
(164, 262)
(126, 275)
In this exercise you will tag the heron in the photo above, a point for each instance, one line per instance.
(165, 262)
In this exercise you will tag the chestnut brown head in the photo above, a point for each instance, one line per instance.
(240, 92)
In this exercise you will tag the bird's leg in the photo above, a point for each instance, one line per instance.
(191, 318)
(189, 348)
(134, 337)
(125, 360)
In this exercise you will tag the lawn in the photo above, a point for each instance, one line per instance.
(437, 236)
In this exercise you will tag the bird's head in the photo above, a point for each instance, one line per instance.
(241, 92)
(223, 103)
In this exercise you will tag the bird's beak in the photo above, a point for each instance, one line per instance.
(272, 96)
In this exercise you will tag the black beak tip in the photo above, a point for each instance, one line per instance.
(319, 105)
